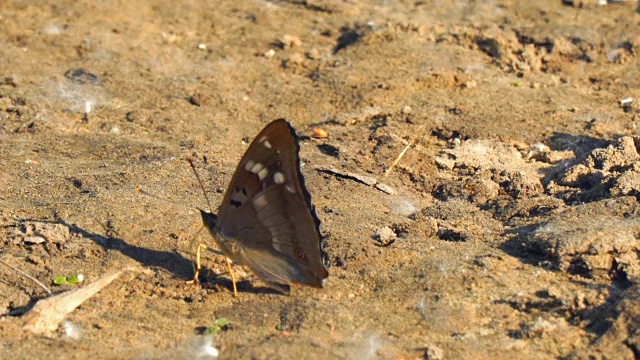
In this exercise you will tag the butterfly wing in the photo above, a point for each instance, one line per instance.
(267, 212)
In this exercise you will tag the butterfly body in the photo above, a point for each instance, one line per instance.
(266, 220)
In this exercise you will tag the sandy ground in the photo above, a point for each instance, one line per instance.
(512, 230)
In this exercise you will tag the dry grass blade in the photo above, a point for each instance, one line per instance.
(395, 162)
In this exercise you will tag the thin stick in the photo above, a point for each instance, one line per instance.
(395, 162)
(27, 276)
(200, 182)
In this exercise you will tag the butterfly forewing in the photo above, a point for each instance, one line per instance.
(267, 211)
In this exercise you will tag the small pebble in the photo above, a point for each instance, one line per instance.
(314, 54)
(445, 163)
(289, 41)
(54, 29)
(320, 133)
(433, 352)
(34, 240)
(82, 77)
(386, 235)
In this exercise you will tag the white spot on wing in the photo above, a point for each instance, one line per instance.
(278, 177)
(266, 144)
(290, 189)
(248, 165)
(256, 168)
(263, 173)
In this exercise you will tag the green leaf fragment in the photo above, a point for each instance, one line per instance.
(218, 325)
(68, 280)
(60, 280)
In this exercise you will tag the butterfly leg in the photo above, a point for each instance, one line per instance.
(196, 265)
(196, 261)
(233, 277)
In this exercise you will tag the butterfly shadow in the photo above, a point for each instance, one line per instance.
(208, 278)
(171, 261)
(244, 286)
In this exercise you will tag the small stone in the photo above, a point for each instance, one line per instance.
(625, 101)
(34, 240)
(554, 292)
(469, 84)
(138, 116)
(202, 46)
(198, 99)
(54, 29)
(406, 109)
(536, 151)
(270, 53)
(82, 77)
(386, 236)
(445, 163)
(289, 41)
(314, 54)
(115, 130)
(433, 352)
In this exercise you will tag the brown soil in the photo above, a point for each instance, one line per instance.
(513, 231)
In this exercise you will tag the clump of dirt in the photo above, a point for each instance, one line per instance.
(458, 220)
(598, 239)
(610, 171)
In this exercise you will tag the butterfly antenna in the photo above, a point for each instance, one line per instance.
(200, 183)
(146, 193)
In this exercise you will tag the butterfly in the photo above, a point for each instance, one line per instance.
(267, 221)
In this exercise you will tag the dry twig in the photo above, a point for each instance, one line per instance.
(27, 276)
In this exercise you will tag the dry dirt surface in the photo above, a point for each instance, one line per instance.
(509, 229)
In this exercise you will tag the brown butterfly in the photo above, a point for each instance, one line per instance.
(266, 221)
